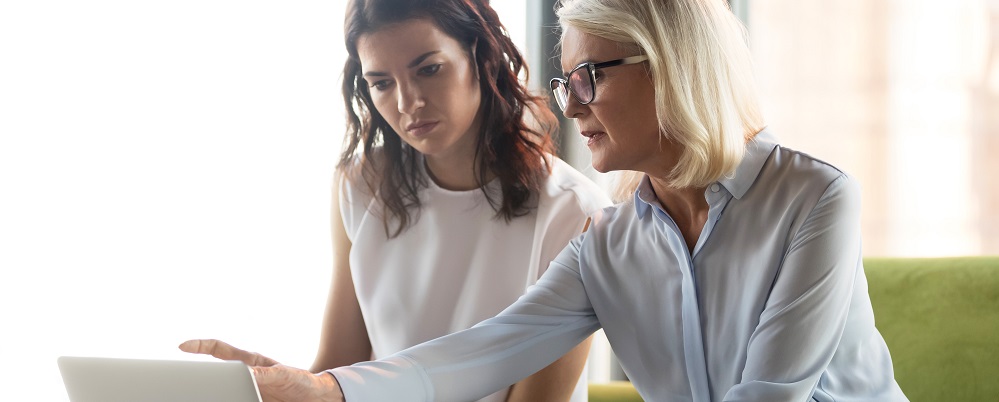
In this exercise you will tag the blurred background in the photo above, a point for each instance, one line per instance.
(904, 95)
(165, 167)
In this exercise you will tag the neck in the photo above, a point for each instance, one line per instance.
(686, 206)
(456, 174)
(679, 201)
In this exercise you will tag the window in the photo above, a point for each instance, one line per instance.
(902, 95)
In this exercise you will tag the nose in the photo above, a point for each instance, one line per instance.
(573, 109)
(410, 98)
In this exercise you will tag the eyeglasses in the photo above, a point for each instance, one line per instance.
(581, 82)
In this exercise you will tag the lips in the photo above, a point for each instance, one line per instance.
(421, 127)
(593, 136)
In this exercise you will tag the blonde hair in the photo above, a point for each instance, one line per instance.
(701, 70)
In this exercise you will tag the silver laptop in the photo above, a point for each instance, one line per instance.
(98, 379)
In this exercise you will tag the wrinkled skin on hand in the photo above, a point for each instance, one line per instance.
(277, 382)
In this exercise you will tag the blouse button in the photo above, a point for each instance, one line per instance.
(715, 188)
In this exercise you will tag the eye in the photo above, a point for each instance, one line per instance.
(429, 70)
(381, 85)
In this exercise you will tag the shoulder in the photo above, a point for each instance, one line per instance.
(564, 182)
(614, 220)
(802, 164)
(362, 173)
(358, 180)
(787, 167)
(792, 177)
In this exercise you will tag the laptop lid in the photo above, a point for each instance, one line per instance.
(93, 379)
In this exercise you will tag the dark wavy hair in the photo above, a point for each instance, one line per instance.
(510, 147)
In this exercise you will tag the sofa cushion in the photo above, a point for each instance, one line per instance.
(940, 319)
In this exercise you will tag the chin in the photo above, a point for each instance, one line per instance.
(601, 165)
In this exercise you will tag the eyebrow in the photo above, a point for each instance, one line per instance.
(576, 65)
(419, 59)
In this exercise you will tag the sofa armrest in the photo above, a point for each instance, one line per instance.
(614, 391)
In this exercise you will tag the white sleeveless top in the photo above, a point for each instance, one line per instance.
(459, 263)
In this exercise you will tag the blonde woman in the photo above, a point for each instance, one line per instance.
(733, 274)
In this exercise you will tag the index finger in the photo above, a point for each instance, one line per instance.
(225, 351)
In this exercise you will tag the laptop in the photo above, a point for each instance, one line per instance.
(99, 379)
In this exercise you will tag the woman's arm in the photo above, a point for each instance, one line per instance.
(553, 316)
(555, 382)
(344, 340)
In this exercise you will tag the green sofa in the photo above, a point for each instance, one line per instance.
(940, 319)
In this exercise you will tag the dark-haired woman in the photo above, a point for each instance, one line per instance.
(450, 203)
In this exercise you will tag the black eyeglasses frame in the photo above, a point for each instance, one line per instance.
(591, 68)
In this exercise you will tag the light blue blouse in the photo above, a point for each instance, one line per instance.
(772, 304)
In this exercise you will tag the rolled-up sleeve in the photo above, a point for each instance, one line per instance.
(541, 326)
